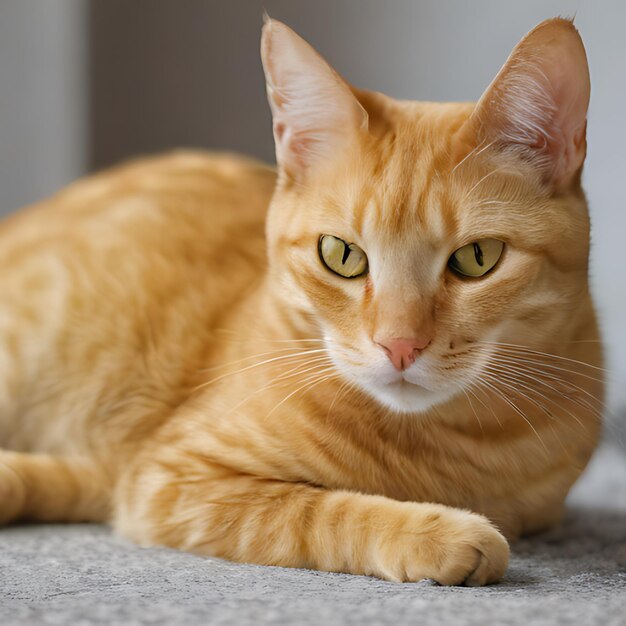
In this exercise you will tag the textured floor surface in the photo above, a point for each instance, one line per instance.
(82, 575)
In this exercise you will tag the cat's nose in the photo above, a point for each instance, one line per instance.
(402, 352)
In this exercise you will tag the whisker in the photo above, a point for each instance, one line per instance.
(346, 386)
(513, 360)
(517, 347)
(540, 361)
(319, 378)
(515, 380)
(517, 364)
(516, 367)
(472, 389)
(265, 362)
(274, 384)
(491, 384)
(473, 409)
(313, 363)
(245, 338)
(246, 358)
(544, 409)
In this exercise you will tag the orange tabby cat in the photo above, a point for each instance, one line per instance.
(381, 360)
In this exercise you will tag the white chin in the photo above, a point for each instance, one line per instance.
(405, 397)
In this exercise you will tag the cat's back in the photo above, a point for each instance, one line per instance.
(151, 227)
(210, 191)
(119, 280)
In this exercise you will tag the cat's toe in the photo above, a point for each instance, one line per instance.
(480, 575)
(477, 555)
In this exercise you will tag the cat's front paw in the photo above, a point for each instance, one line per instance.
(474, 553)
(12, 495)
(450, 546)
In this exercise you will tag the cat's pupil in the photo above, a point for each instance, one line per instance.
(346, 253)
(478, 255)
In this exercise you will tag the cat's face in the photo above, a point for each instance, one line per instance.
(409, 185)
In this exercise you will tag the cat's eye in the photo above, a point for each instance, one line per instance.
(345, 259)
(477, 258)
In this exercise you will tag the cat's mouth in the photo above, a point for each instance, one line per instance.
(403, 392)
(405, 396)
(404, 384)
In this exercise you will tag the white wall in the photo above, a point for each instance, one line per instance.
(43, 97)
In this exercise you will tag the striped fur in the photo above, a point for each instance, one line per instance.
(175, 359)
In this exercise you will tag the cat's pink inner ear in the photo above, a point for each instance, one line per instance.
(314, 111)
(538, 101)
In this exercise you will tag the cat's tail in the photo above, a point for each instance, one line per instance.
(48, 488)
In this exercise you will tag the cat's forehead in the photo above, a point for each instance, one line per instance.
(415, 181)
(408, 177)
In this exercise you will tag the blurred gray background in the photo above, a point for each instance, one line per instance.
(85, 84)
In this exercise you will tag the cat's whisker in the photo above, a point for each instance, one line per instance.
(550, 366)
(539, 367)
(473, 389)
(528, 371)
(315, 380)
(318, 340)
(542, 407)
(513, 381)
(246, 338)
(276, 383)
(265, 362)
(509, 384)
(297, 371)
(309, 373)
(516, 381)
(345, 387)
(520, 348)
(473, 409)
(552, 360)
(492, 383)
(239, 334)
(247, 358)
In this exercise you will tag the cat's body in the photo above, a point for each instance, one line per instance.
(172, 381)
(72, 267)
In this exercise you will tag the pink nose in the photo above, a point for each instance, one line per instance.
(402, 352)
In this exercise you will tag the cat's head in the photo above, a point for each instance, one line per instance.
(415, 234)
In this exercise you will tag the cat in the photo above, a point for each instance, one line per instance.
(379, 358)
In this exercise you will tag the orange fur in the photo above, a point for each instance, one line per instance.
(176, 363)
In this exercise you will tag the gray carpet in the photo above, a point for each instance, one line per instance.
(83, 575)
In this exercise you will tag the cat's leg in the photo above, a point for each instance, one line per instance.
(53, 489)
(248, 519)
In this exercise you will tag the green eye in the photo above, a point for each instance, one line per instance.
(345, 259)
(476, 259)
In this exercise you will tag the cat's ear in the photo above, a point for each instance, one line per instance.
(315, 113)
(537, 104)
